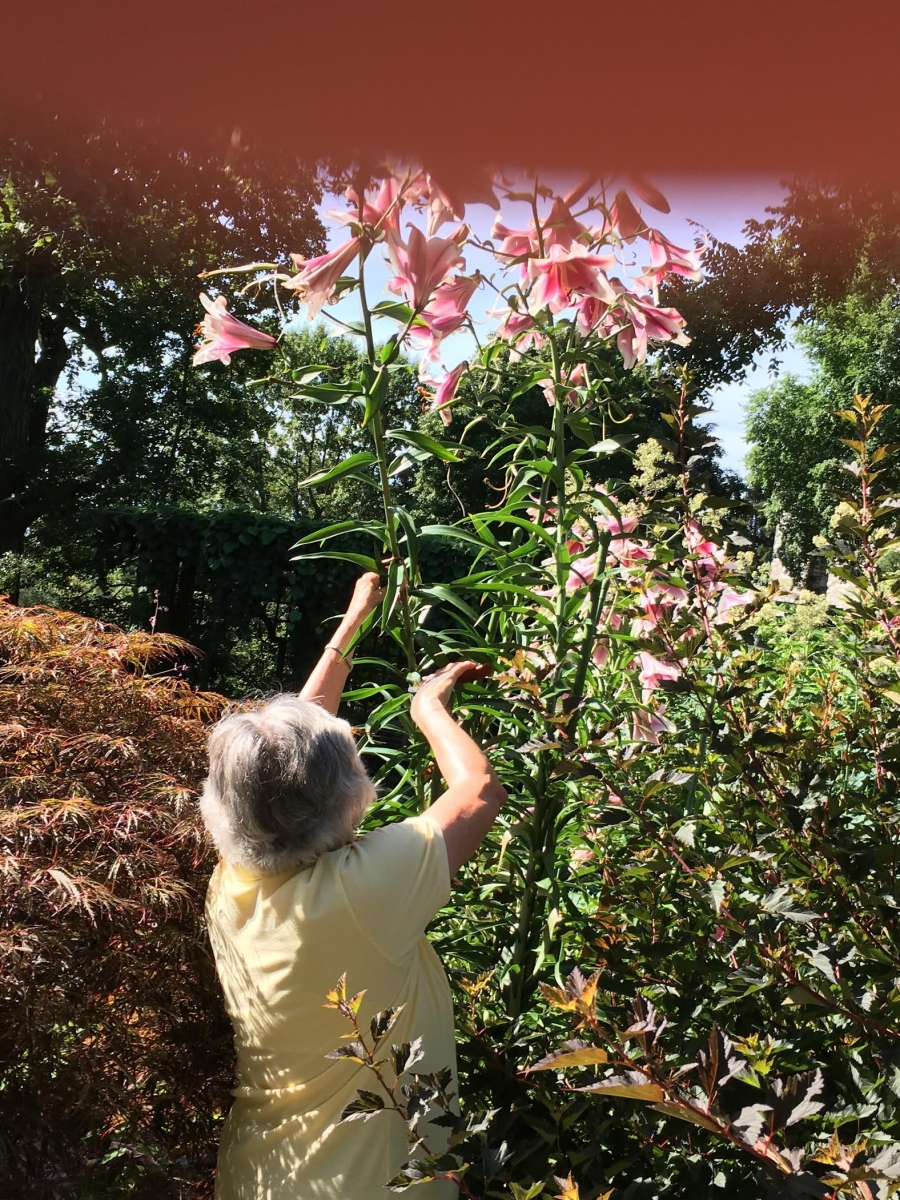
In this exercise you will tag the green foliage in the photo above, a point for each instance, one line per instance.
(194, 524)
(740, 872)
(632, 410)
(730, 884)
(675, 956)
(825, 265)
(792, 463)
(796, 448)
(826, 243)
(101, 243)
(230, 582)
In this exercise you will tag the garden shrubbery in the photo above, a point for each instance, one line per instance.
(114, 1043)
(675, 958)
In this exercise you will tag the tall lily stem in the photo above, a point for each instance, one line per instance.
(532, 931)
(377, 426)
(559, 446)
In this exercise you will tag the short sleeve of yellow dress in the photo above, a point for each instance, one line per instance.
(280, 943)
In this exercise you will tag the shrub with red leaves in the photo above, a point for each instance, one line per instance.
(115, 1052)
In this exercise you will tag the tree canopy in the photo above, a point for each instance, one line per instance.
(796, 439)
(101, 242)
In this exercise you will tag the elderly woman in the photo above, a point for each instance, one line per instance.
(297, 899)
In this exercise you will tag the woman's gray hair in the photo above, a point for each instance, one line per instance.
(286, 783)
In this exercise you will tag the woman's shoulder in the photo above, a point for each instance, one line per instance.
(396, 836)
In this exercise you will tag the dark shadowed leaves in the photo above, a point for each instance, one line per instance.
(683, 1111)
(405, 1056)
(793, 1100)
(354, 1050)
(382, 1022)
(749, 1122)
(718, 1063)
(366, 1105)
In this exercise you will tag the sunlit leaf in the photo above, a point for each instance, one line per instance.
(572, 1054)
(349, 465)
(633, 1085)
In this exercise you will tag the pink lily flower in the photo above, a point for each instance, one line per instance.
(600, 654)
(382, 213)
(607, 521)
(514, 243)
(697, 543)
(223, 334)
(647, 192)
(580, 856)
(576, 376)
(569, 274)
(446, 311)
(658, 602)
(710, 560)
(664, 594)
(643, 322)
(548, 387)
(626, 218)
(441, 207)
(646, 726)
(581, 573)
(446, 204)
(446, 390)
(617, 526)
(632, 343)
(654, 671)
(316, 278)
(579, 191)
(601, 650)
(628, 553)
(520, 330)
(668, 259)
(561, 228)
(589, 312)
(548, 513)
(730, 599)
(641, 626)
(421, 264)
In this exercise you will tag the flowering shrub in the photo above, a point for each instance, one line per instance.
(675, 957)
(698, 820)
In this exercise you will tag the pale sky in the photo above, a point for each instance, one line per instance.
(720, 206)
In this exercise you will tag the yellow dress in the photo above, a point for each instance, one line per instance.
(281, 942)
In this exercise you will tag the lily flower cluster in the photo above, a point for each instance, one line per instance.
(565, 264)
(575, 263)
(662, 608)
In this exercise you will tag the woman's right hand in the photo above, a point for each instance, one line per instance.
(367, 595)
(435, 690)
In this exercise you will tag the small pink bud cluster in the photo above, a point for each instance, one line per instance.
(668, 611)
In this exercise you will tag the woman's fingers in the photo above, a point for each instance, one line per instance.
(466, 671)
(368, 593)
(472, 671)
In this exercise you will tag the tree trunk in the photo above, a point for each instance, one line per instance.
(20, 322)
(33, 353)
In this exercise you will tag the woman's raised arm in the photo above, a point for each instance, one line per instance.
(474, 795)
(326, 682)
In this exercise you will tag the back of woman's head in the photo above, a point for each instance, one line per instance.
(286, 783)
